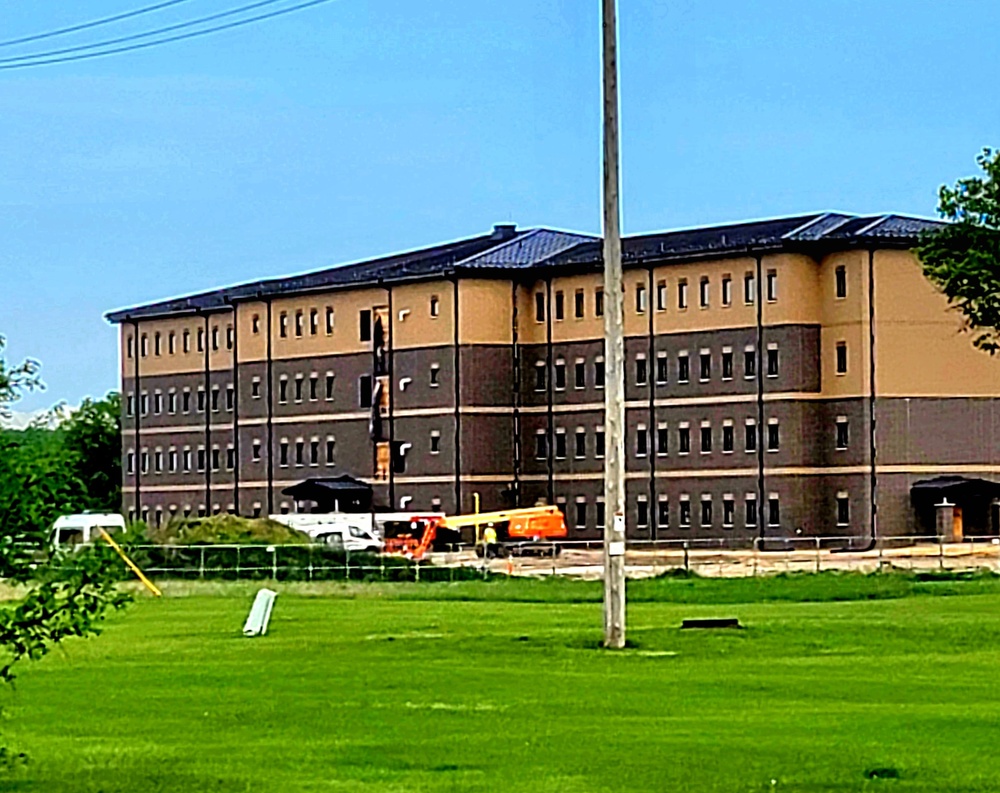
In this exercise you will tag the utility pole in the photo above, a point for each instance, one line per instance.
(614, 350)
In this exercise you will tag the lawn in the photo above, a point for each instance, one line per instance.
(487, 686)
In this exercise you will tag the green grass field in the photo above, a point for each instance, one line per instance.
(499, 687)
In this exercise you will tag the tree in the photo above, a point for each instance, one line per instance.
(92, 434)
(962, 257)
(15, 380)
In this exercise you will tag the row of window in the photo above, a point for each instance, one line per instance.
(188, 459)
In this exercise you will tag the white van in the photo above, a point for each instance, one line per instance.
(71, 530)
(350, 531)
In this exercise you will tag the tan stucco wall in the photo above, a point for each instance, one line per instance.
(484, 312)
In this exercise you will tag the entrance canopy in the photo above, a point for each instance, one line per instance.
(973, 504)
(956, 489)
(334, 494)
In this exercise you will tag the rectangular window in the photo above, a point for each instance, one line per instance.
(843, 509)
(283, 324)
(642, 512)
(728, 437)
(144, 403)
(186, 341)
(201, 340)
(683, 368)
(283, 390)
(541, 445)
(560, 306)
(283, 453)
(661, 295)
(300, 453)
(329, 386)
(749, 289)
(313, 321)
(750, 510)
(841, 357)
(772, 435)
(578, 302)
(599, 521)
(156, 343)
(842, 433)
(230, 398)
(130, 344)
(599, 372)
(435, 306)
(641, 441)
(727, 363)
(157, 403)
(201, 458)
(706, 511)
(298, 388)
(580, 374)
(580, 443)
(365, 324)
(682, 293)
(365, 391)
(230, 337)
(172, 343)
(540, 378)
(772, 285)
(750, 437)
(130, 463)
(186, 458)
(255, 452)
(230, 458)
(840, 276)
(662, 439)
(704, 292)
(728, 511)
(202, 399)
(773, 510)
(313, 387)
(727, 290)
(331, 447)
(599, 442)
(581, 514)
(640, 298)
(255, 324)
(685, 512)
(684, 439)
(435, 375)
(706, 438)
(329, 320)
(663, 513)
(130, 404)
(772, 360)
(215, 338)
(539, 307)
(186, 401)
(216, 458)
(661, 368)
(749, 363)
(705, 366)
(599, 302)
(215, 399)
(298, 323)
(172, 402)
(641, 371)
(314, 451)
(560, 375)
(560, 450)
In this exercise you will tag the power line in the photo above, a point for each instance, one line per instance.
(168, 40)
(144, 35)
(93, 24)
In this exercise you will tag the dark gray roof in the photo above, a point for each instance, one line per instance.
(507, 249)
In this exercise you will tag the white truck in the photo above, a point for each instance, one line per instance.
(71, 530)
(354, 531)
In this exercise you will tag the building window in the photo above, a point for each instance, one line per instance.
(682, 293)
(684, 438)
(841, 357)
(704, 291)
(580, 449)
(283, 453)
(298, 387)
(300, 453)
(298, 323)
(314, 452)
(772, 435)
(202, 400)
(313, 321)
(215, 399)
(129, 345)
(283, 325)
(186, 400)
(171, 401)
(706, 437)
(581, 513)
(750, 437)
(230, 337)
(540, 378)
(772, 360)
(683, 368)
(216, 458)
(642, 512)
(706, 511)
(560, 374)
(728, 437)
(435, 306)
(640, 298)
(255, 450)
(435, 375)
(843, 509)
(329, 386)
(599, 302)
(749, 289)
(599, 519)
(727, 290)
(215, 338)
(727, 363)
(230, 398)
(750, 510)
(435, 442)
(578, 303)
(579, 374)
(641, 441)
(685, 512)
(560, 306)
(539, 307)
(365, 391)
(157, 403)
(641, 370)
(599, 372)
(663, 512)
(255, 324)
(728, 511)
(599, 442)
(186, 341)
(661, 295)
(773, 510)
(144, 461)
(560, 450)
(842, 433)
(749, 362)
(172, 343)
(255, 388)
(283, 390)
(329, 320)
(772, 285)
(541, 445)
(201, 340)
(840, 276)
(705, 366)
(365, 324)
(313, 387)
(662, 439)
(130, 462)
(331, 446)
(230, 458)
(144, 403)
(156, 344)
(130, 404)
(661, 368)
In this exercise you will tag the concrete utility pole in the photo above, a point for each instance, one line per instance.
(614, 351)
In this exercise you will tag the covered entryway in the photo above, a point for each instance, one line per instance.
(956, 507)
(332, 494)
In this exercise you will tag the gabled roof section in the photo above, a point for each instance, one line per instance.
(528, 250)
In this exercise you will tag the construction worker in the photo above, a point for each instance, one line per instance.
(489, 541)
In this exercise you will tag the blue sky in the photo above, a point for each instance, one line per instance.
(362, 127)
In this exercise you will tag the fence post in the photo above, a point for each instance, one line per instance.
(311, 548)
(940, 552)
(201, 565)
(687, 559)
(818, 563)
(274, 562)
(237, 561)
(416, 571)
(347, 565)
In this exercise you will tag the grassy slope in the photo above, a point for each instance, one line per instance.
(376, 690)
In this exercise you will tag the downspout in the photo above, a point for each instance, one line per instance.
(651, 439)
(392, 401)
(270, 416)
(208, 422)
(458, 396)
(137, 410)
(549, 394)
(761, 490)
(236, 411)
(516, 393)
(873, 475)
